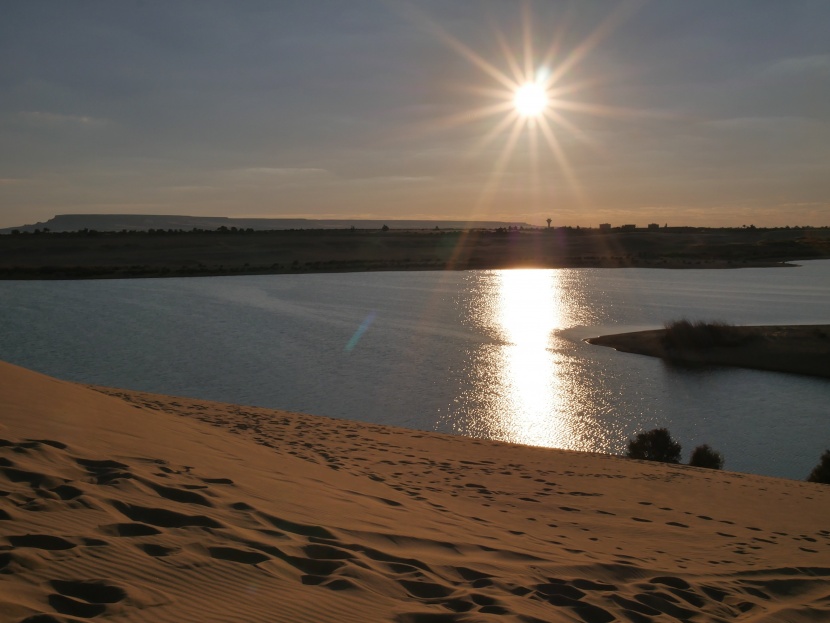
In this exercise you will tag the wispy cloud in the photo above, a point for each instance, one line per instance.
(37, 117)
(276, 172)
(394, 179)
(818, 63)
(759, 123)
(806, 204)
(192, 189)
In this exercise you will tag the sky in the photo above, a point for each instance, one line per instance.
(704, 113)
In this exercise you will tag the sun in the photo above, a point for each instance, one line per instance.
(531, 99)
(530, 93)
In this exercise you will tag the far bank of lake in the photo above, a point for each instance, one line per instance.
(177, 253)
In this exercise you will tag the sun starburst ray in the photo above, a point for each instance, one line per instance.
(552, 54)
(571, 128)
(527, 36)
(509, 57)
(606, 27)
(478, 60)
(457, 120)
(570, 88)
(535, 175)
(500, 165)
(561, 159)
(494, 133)
(491, 92)
(608, 111)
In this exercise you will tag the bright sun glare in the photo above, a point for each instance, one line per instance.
(530, 93)
(531, 99)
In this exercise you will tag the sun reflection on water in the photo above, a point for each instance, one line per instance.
(525, 384)
(526, 313)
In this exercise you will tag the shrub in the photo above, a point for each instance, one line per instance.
(654, 445)
(821, 472)
(698, 335)
(704, 456)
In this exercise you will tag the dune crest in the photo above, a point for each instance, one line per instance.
(133, 506)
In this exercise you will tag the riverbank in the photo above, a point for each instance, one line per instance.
(797, 349)
(129, 506)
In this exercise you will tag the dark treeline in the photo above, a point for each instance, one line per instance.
(571, 230)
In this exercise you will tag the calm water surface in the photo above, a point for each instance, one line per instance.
(495, 354)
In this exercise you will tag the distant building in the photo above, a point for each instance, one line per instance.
(654, 226)
(628, 227)
(605, 226)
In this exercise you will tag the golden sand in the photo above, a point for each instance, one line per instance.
(140, 507)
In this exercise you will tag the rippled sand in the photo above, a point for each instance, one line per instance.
(127, 506)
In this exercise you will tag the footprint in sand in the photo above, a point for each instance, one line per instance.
(129, 529)
(67, 492)
(232, 554)
(182, 496)
(106, 471)
(564, 595)
(163, 517)
(84, 599)
(41, 541)
(158, 551)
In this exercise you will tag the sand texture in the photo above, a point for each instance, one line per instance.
(139, 507)
(798, 349)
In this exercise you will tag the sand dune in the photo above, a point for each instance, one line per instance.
(139, 507)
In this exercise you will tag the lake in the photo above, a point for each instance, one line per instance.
(497, 354)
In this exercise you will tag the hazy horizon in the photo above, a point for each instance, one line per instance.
(188, 221)
(699, 114)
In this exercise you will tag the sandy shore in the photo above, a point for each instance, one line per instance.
(124, 506)
(798, 349)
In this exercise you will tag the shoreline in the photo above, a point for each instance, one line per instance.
(794, 349)
(103, 272)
